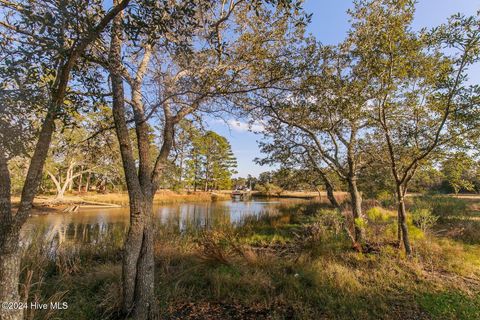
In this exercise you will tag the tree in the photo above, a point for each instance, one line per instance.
(457, 170)
(420, 100)
(297, 156)
(218, 162)
(66, 162)
(38, 55)
(185, 39)
(193, 163)
(183, 144)
(320, 113)
(209, 161)
(100, 151)
(239, 182)
(72, 155)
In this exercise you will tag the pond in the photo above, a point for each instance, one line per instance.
(94, 226)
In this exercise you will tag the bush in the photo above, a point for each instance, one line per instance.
(332, 219)
(270, 189)
(380, 221)
(386, 199)
(377, 215)
(424, 219)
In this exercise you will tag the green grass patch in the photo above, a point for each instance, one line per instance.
(451, 305)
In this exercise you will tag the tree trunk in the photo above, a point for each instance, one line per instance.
(205, 188)
(87, 185)
(9, 275)
(68, 183)
(180, 173)
(195, 180)
(138, 263)
(328, 185)
(70, 186)
(9, 247)
(356, 202)
(11, 224)
(402, 221)
(60, 195)
(80, 181)
(330, 195)
(319, 190)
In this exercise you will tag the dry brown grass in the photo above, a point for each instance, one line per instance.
(295, 265)
(46, 203)
(161, 197)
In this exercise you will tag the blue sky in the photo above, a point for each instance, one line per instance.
(329, 25)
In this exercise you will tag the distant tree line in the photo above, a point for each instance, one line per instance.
(78, 162)
(455, 173)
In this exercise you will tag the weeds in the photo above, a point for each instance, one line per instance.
(424, 219)
(441, 206)
(294, 264)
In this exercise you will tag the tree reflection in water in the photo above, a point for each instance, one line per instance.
(107, 227)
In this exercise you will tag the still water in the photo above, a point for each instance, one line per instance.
(94, 226)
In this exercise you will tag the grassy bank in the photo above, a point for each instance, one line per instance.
(298, 264)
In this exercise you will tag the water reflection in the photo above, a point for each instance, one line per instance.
(100, 226)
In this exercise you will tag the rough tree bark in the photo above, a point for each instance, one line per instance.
(402, 220)
(330, 193)
(11, 223)
(356, 202)
(9, 257)
(138, 261)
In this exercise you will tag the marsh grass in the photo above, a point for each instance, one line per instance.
(121, 198)
(295, 264)
(161, 197)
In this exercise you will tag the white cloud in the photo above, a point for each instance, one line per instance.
(241, 126)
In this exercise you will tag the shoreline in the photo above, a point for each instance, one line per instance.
(46, 204)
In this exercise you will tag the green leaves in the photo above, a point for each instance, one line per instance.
(210, 161)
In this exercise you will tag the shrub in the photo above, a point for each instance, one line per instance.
(361, 223)
(332, 219)
(214, 247)
(386, 199)
(379, 224)
(270, 189)
(377, 214)
(424, 219)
